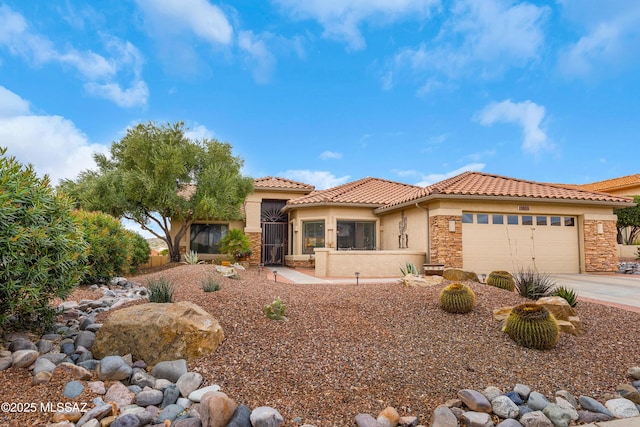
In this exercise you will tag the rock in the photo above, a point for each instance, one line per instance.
(142, 379)
(566, 405)
(634, 372)
(366, 420)
(515, 397)
(143, 414)
(84, 339)
(170, 413)
(408, 421)
(622, 408)
(216, 409)
(41, 378)
(24, 358)
(91, 364)
(443, 417)
(72, 416)
(510, 422)
(98, 413)
(421, 281)
(187, 422)
(504, 407)
(590, 404)
(560, 417)
(184, 402)
(566, 316)
(388, 417)
(241, 417)
(92, 423)
(491, 393)
(67, 347)
(189, 382)
(22, 344)
(120, 394)
(522, 390)
(73, 389)
(535, 419)
(96, 387)
(156, 332)
(148, 397)
(55, 358)
(161, 384)
(170, 395)
(476, 419)
(265, 416)
(170, 370)
(564, 394)
(195, 396)
(629, 392)
(474, 400)
(537, 401)
(43, 365)
(126, 420)
(588, 417)
(5, 362)
(114, 368)
(44, 346)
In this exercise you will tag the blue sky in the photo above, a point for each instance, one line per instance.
(329, 91)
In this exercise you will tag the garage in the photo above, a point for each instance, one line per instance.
(514, 242)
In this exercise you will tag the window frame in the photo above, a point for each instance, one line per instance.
(368, 246)
(319, 241)
(210, 248)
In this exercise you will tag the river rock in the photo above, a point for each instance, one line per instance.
(126, 420)
(188, 382)
(522, 390)
(590, 404)
(509, 422)
(388, 417)
(474, 400)
(505, 407)
(24, 358)
(22, 344)
(120, 394)
(216, 409)
(560, 417)
(634, 372)
(114, 368)
(537, 401)
(535, 419)
(622, 408)
(73, 389)
(170, 395)
(157, 332)
(142, 379)
(443, 417)
(366, 420)
(5, 362)
(43, 365)
(566, 405)
(265, 416)
(476, 419)
(148, 397)
(170, 370)
(241, 417)
(170, 413)
(629, 392)
(98, 413)
(491, 392)
(196, 395)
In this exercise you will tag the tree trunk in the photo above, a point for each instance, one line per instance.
(174, 251)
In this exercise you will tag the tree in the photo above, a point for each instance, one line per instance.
(629, 218)
(155, 174)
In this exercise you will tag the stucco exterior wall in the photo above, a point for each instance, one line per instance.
(330, 263)
(600, 245)
(416, 230)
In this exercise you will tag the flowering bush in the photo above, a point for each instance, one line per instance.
(239, 253)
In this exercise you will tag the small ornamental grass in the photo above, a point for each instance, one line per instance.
(210, 285)
(160, 290)
(533, 285)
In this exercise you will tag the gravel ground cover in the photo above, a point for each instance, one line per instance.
(348, 349)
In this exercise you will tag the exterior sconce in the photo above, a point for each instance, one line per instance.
(357, 273)
(600, 228)
(452, 226)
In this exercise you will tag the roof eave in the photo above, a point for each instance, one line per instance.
(332, 204)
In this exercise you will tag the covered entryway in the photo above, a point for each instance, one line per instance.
(545, 243)
(274, 225)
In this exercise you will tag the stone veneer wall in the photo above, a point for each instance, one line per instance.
(446, 246)
(600, 250)
(256, 247)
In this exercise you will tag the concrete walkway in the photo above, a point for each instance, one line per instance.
(301, 278)
(626, 422)
(617, 290)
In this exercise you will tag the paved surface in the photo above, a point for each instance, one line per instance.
(616, 289)
(627, 422)
(298, 277)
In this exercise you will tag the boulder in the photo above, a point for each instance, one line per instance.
(156, 332)
(421, 281)
(565, 315)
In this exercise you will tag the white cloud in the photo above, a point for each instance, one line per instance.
(611, 36)
(326, 155)
(320, 179)
(258, 55)
(528, 115)
(341, 19)
(199, 132)
(198, 16)
(99, 72)
(436, 177)
(52, 144)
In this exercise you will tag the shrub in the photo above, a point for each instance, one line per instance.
(502, 280)
(160, 290)
(275, 310)
(42, 250)
(139, 251)
(210, 285)
(108, 251)
(532, 326)
(235, 242)
(533, 285)
(568, 294)
(192, 258)
(457, 298)
(409, 268)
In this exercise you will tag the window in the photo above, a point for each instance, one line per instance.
(312, 236)
(569, 221)
(527, 220)
(512, 219)
(555, 221)
(467, 218)
(205, 237)
(356, 235)
(482, 218)
(497, 219)
(541, 220)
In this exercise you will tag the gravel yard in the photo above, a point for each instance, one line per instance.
(348, 349)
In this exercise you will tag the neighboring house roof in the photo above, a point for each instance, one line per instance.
(477, 184)
(614, 184)
(373, 192)
(278, 183)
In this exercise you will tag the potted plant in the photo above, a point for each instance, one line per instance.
(235, 244)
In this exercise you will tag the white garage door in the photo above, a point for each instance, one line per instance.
(545, 243)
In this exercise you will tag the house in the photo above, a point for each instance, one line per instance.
(623, 186)
(476, 221)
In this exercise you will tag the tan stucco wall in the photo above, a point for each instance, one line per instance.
(330, 263)
(416, 220)
(626, 192)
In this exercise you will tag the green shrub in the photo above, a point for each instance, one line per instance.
(532, 326)
(210, 285)
(275, 310)
(533, 285)
(139, 251)
(42, 252)
(568, 294)
(160, 290)
(108, 251)
(409, 268)
(457, 298)
(192, 258)
(502, 280)
(235, 243)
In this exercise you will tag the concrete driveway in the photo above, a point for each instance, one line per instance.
(615, 289)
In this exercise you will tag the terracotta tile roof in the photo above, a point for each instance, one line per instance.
(366, 191)
(483, 184)
(277, 183)
(613, 184)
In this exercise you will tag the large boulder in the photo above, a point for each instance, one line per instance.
(157, 332)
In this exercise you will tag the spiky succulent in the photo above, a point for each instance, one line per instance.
(457, 298)
(502, 280)
(532, 326)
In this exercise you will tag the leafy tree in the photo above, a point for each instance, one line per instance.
(155, 174)
(629, 217)
(139, 250)
(41, 249)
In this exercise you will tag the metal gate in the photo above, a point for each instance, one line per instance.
(274, 225)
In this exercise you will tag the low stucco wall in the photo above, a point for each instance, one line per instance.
(628, 251)
(332, 263)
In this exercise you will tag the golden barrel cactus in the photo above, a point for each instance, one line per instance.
(532, 326)
(502, 280)
(457, 298)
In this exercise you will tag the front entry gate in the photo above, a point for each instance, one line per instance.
(274, 225)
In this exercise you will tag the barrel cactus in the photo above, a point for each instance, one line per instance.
(502, 280)
(457, 298)
(532, 326)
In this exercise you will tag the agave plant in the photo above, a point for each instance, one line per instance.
(568, 294)
(192, 258)
(533, 285)
(409, 268)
